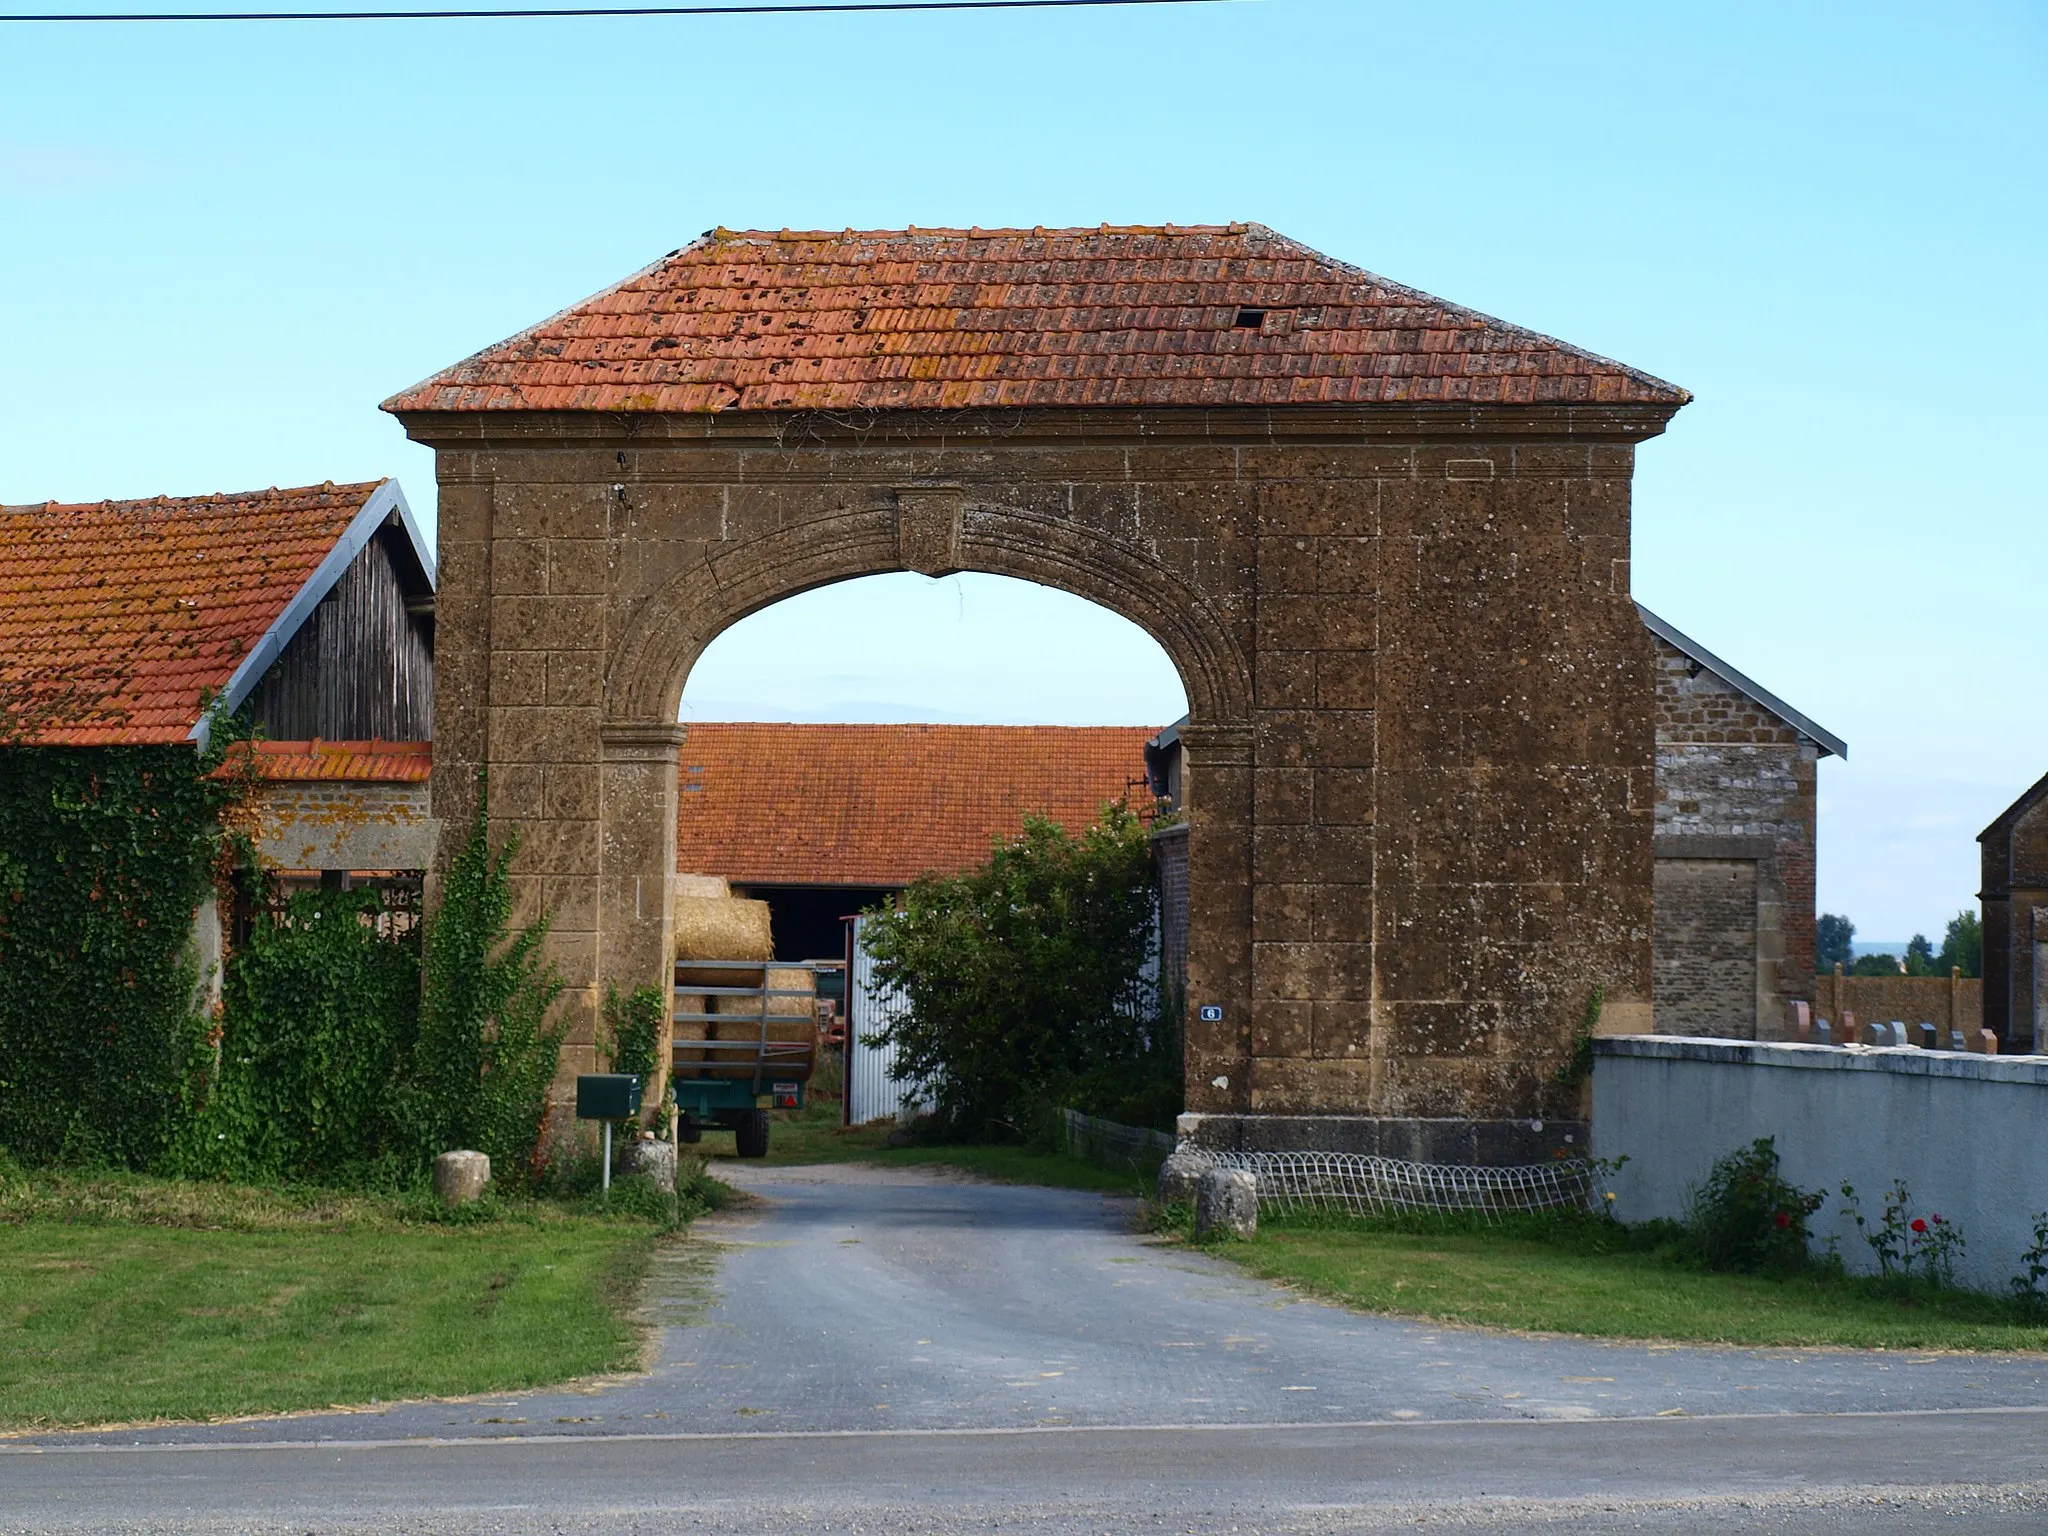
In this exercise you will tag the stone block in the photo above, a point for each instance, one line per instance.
(649, 1158)
(1227, 1202)
(1178, 1176)
(459, 1177)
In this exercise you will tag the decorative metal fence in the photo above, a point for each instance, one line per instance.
(1386, 1186)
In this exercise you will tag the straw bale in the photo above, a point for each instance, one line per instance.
(714, 887)
(721, 928)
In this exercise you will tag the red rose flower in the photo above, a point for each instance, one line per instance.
(1919, 1225)
(1781, 1220)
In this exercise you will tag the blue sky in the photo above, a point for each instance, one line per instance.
(221, 246)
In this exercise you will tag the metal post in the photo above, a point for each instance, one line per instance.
(607, 1159)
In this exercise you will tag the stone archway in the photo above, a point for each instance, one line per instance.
(1419, 757)
(1385, 540)
(934, 530)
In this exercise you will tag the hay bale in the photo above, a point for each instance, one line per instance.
(713, 887)
(799, 1029)
(721, 928)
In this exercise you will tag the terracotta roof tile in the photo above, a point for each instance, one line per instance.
(115, 617)
(883, 804)
(343, 762)
(924, 319)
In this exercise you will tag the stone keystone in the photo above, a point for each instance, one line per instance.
(1227, 1201)
(459, 1177)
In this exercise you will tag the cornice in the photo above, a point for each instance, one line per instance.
(1306, 425)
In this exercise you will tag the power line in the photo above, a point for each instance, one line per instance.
(794, 9)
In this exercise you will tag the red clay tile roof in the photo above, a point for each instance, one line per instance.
(115, 617)
(883, 804)
(922, 319)
(343, 762)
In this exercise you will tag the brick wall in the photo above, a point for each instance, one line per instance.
(1950, 1003)
(1735, 785)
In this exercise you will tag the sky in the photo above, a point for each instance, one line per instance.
(222, 245)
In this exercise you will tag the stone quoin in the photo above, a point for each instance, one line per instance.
(1384, 539)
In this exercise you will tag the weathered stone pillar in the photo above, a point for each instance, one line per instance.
(1217, 795)
(635, 909)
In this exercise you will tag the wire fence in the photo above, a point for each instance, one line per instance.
(1359, 1185)
(1108, 1144)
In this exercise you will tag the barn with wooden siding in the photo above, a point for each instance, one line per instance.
(310, 608)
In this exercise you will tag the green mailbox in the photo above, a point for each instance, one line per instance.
(608, 1096)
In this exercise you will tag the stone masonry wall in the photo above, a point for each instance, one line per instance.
(1734, 783)
(329, 825)
(1420, 746)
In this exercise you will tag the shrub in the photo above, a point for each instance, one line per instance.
(1024, 979)
(486, 1052)
(1747, 1217)
(1904, 1243)
(319, 1013)
(2027, 1289)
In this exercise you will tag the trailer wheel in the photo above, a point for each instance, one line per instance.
(689, 1129)
(751, 1134)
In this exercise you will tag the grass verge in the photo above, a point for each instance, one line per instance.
(1595, 1279)
(814, 1135)
(125, 1298)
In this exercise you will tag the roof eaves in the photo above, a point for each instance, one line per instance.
(1677, 394)
(379, 505)
(1820, 736)
(409, 399)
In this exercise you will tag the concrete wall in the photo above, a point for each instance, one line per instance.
(1963, 1132)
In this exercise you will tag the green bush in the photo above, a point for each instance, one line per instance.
(1023, 979)
(633, 1028)
(319, 1013)
(1747, 1218)
(485, 1052)
(105, 853)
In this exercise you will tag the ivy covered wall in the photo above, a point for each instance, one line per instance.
(105, 853)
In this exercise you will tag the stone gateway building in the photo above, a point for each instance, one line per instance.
(1384, 539)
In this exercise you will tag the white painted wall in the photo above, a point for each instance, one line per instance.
(1967, 1134)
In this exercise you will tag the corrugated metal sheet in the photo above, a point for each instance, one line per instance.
(871, 1093)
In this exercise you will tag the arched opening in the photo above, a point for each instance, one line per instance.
(969, 648)
(847, 740)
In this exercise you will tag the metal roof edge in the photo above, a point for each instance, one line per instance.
(1826, 740)
(380, 504)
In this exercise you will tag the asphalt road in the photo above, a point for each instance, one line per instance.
(907, 1352)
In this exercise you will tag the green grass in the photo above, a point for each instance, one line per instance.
(1544, 1277)
(126, 1299)
(814, 1135)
